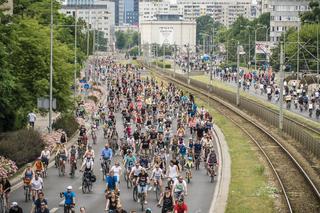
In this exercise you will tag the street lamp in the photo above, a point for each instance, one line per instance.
(51, 65)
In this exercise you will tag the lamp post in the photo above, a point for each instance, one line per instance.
(51, 65)
(238, 72)
(75, 50)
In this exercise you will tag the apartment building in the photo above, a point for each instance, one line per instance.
(223, 11)
(99, 14)
(284, 14)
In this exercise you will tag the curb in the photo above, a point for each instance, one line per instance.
(220, 197)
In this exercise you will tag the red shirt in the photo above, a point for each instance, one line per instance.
(181, 208)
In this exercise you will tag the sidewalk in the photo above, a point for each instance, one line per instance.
(42, 122)
(251, 92)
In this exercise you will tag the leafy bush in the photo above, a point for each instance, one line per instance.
(94, 98)
(21, 146)
(309, 79)
(68, 123)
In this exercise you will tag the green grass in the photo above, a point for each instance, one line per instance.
(249, 188)
(219, 84)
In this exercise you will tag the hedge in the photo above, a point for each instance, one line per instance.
(22, 146)
(68, 123)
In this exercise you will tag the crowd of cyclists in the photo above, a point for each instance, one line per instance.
(163, 136)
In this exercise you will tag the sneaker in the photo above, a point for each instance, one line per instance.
(154, 189)
(150, 188)
(145, 202)
(138, 200)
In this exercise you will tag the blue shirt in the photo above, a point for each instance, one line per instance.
(111, 182)
(69, 197)
(106, 153)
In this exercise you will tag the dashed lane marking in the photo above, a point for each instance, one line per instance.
(53, 210)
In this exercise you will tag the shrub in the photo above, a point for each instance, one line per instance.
(21, 146)
(68, 123)
(94, 98)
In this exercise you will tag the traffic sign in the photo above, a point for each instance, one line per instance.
(83, 81)
(86, 86)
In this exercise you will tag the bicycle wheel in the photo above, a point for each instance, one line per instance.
(188, 178)
(2, 206)
(26, 193)
(135, 193)
(158, 192)
(142, 201)
(90, 187)
(84, 187)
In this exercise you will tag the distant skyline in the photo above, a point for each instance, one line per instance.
(128, 5)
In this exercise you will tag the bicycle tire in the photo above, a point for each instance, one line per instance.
(84, 186)
(142, 201)
(2, 205)
(135, 193)
(26, 192)
(90, 185)
(158, 192)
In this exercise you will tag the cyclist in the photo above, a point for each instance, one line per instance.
(189, 165)
(73, 156)
(5, 187)
(106, 153)
(144, 162)
(111, 182)
(87, 165)
(156, 177)
(45, 156)
(167, 201)
(38, 202)
(69, 202)
(211, 162)
(112, 202)
(62, 153)
(36, 186)
(135, 171)
(129, 161)
(142, 182)
(15, 208)
(179, 187)
(117, 170)
(39, 167)
(181, 206)
(89, 153)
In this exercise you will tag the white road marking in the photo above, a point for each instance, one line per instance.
(53, 210)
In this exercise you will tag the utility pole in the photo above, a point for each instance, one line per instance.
(298, 53)
(174, 60)
(88, 44)
(249, 61)
(75, 51)
(188, 51)
(51, 66)
(238, 72)
(211, 67)
(281, 88)
(318, 74)
(163, 57)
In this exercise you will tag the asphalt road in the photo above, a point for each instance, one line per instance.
(200, 190)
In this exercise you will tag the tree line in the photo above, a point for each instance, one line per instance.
(25, 59)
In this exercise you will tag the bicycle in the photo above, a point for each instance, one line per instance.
(27, 189)
(68, 208)
(3, 203)
(105, 165)
(197, 162)
(61, 167)
(211, 172)
(86, 182)
(140, 196)
(188, 175)
(127, 178)
(94, 136)
(73, 165)
(158, 190)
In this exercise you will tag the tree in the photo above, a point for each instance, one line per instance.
(314, 14)
(206, 26)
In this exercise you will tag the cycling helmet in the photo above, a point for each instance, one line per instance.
(69, 188)
(148, 210)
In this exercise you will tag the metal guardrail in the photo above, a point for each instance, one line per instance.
(293, 128)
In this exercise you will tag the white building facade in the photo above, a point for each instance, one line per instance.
(100, 15)
(223, 11)
(284, 14)
(180, 33)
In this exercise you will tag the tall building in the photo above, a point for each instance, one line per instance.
(99, 14)
(120, 13)
(223, 11)
(284, 14)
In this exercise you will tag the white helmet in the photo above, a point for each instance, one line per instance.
(69, 188)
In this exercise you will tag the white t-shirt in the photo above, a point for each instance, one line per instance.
(173, 171)
(136, 171)
(156, 173)
(178, 187)
(37, 184)
(116, 170)
(45, 154)
(32, 117)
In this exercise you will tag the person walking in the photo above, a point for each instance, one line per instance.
(32, 119)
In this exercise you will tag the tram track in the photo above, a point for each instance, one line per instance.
(299, 191)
